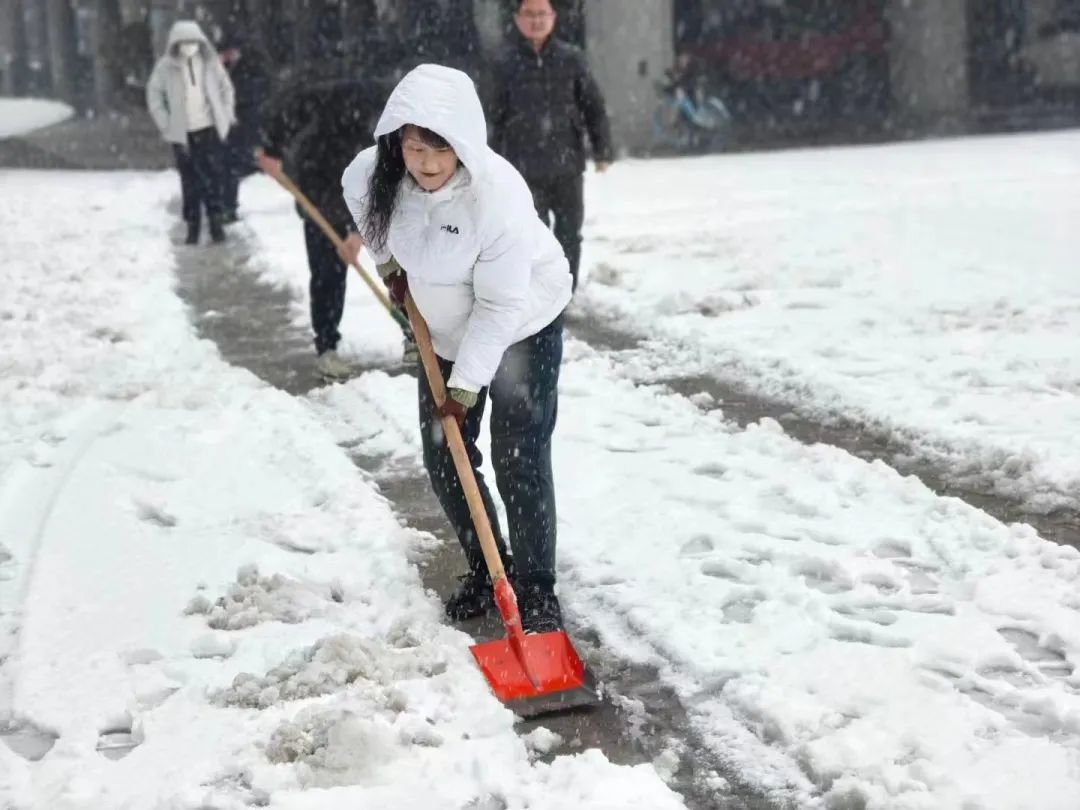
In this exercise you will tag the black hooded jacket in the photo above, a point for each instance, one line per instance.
(543, 107)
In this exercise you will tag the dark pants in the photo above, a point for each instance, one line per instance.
(239, 150)
(327, 288)
(201, 168)
(524, 404)
(562, 198)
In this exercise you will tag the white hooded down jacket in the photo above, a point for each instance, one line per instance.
(165, 93)
(483, 269)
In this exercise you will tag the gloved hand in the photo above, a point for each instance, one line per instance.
(397, 286)
(457, 404)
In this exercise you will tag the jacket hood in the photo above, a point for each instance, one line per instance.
(443, 100)
(188, 31)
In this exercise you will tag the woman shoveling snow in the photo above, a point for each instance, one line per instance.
(453, 223)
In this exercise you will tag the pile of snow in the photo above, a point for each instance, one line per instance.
(137, 469)
(21, 116)
(253, 599)
(928, 290)
(328, 666)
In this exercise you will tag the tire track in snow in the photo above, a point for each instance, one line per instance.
(27, 502)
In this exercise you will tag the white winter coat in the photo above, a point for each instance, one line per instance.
(165, 93)
(483, 269)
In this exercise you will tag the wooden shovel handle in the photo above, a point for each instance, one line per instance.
(457, 444)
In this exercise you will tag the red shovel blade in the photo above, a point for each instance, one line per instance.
(561, 681)
(533, 674)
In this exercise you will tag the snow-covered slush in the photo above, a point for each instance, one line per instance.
(327, 667)
(113, 414)
(254, 599)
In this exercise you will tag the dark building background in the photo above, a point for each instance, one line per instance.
(789, 70)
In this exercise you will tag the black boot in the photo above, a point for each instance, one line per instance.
(217, 231)
(474, 596)
(192, 234)
(540, 611)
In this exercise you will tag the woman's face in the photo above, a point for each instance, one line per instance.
(430, 166)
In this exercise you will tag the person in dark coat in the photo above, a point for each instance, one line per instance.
(251, 80)
(322, 124)
(545, 104)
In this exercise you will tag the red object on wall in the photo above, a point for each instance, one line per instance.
(811, 55)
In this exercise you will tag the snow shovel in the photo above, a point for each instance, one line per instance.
(530, 674)
(316, 216)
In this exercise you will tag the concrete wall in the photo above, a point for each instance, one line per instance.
(928, 55)
(630, 44)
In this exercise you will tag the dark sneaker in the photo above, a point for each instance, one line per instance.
(474, 596)
(471, 598)
(332, 366)
(540, 611)
(192, 234)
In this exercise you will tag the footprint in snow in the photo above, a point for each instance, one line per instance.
(734, 570)
(892, 550)
(155, 514)
(29, 741)
(823, 575)
(919, 579)
(740, 608)
(698, 544)
(1004, 690)
(711, 469)
(119, 738)
(784, 501)
(1046, 654)
(884, 583)
(859, 633)
(878, 616)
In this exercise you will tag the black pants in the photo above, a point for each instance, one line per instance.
(562, 198)
(524, 405)
(327, 288)
(201, 167)
(239, 160)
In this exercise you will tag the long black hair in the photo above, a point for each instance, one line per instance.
(385, 183)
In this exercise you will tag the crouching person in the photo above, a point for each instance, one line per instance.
(453, 223)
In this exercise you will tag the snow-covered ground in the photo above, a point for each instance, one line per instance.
(188, 560)
(21, 116)
(930, 290)
(840, 636)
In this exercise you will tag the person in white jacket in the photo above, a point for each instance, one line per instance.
(452, 222)
(192, 101)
